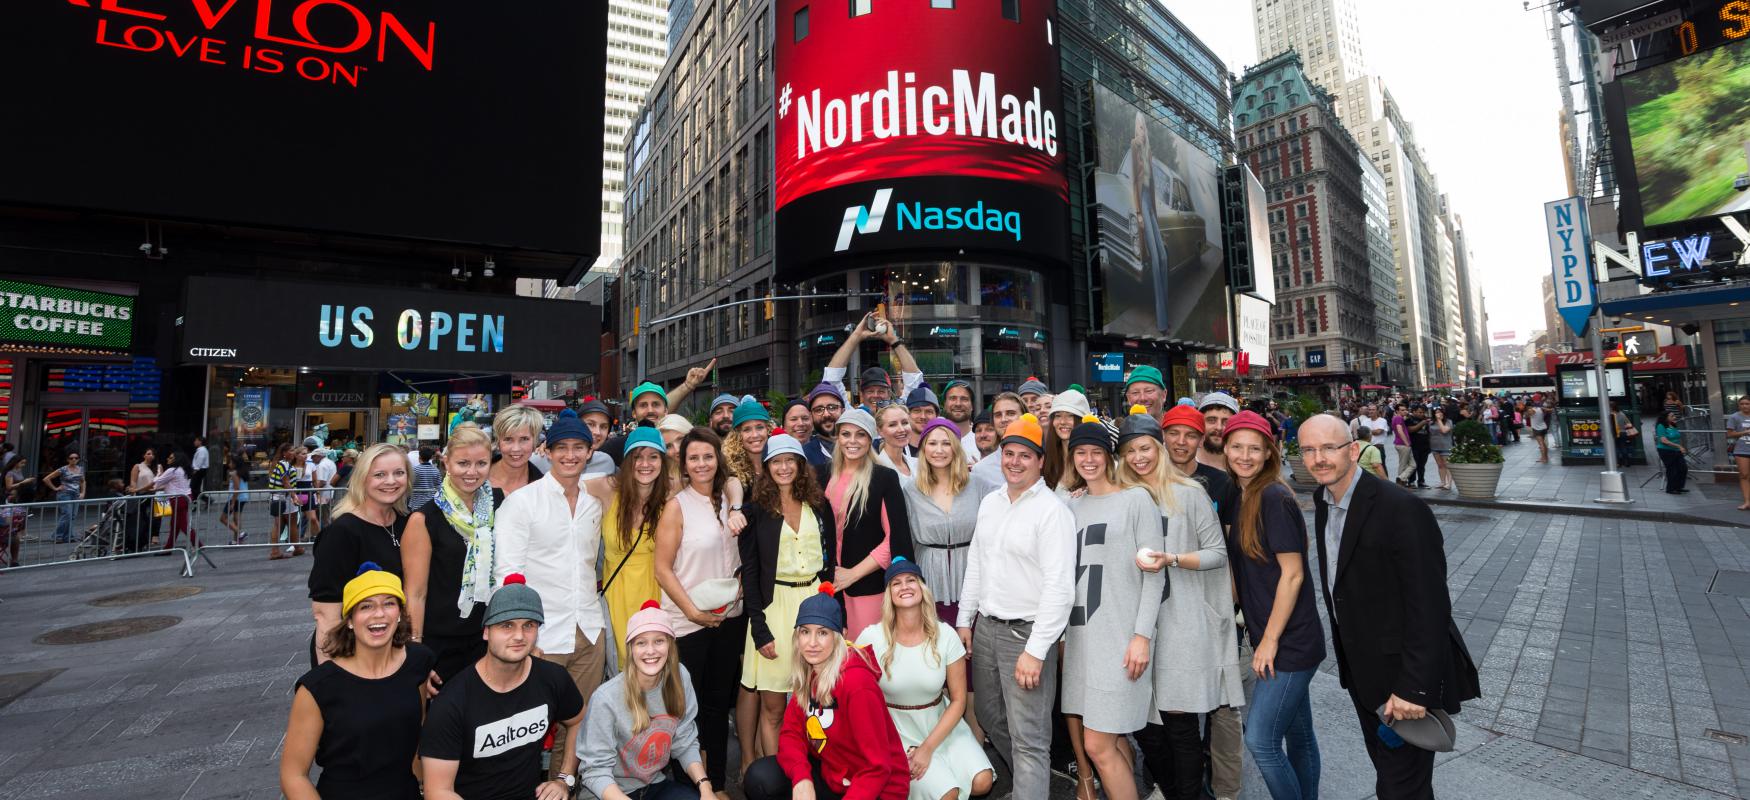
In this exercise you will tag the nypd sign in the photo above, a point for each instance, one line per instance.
(1570, 261)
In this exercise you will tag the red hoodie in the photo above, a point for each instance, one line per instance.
(856, 745)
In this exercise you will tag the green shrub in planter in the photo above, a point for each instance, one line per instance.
(1471, 445)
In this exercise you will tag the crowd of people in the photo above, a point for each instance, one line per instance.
(864, 595)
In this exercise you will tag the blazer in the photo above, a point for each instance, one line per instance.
(758, 544)
(1391, 615)
(863, 531)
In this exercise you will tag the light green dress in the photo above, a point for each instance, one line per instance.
(799, 560)
(919, 677)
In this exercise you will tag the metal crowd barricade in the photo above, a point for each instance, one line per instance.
(64, 532)
(262, 519)
(1699, 453)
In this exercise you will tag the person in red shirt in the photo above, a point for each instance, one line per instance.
(838, 739)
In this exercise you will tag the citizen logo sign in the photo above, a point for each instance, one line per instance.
(213, 352)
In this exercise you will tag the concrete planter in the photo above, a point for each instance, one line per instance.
(1477, 481)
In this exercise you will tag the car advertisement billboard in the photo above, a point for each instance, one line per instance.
(440, 120)
(1158, 220)
(902, 127)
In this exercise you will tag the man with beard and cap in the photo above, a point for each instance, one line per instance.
(921, 403)
(825, 403)
(649, 401)
(1005, 410)
(722, 413)
(957, 406)
(1035, 396)
(1217, 407)
(984, 437)
(1145, 387)
(597, 419)
(875, 388)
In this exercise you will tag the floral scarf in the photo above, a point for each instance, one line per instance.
(475, 527)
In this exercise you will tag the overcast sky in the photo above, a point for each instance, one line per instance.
(1479, 87)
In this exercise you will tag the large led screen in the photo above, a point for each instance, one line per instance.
(1158, 212)
(907, 128)
(461, 121)
(1689, 134)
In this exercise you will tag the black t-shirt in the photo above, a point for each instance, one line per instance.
(346, 543)
(1418, 438)
(1283, 530)
(370, 728)
(1221, 489)
(449, 552)
(497, 737)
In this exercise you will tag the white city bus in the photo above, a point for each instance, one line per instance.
(1515, 383)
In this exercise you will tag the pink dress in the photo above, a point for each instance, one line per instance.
(860, 612)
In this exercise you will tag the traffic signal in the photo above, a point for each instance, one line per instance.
(769, 307)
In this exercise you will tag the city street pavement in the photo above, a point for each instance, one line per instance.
(1608, 648)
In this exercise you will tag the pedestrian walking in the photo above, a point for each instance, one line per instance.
(643, 718)
(13, 520)
(199, 463)
(447, 555)
(873, 522)
(1539, 421)
(1669, 441)
(1421, 443)
(1400, 441)
(358, 714)
(367, 526)
(282, 504)
(1020, 586)
(838, 738)
(485, 732)
(236, 498)
(427, 476)
(1107, 685)
(1383, 575)
(697, 559)
(173, 485)
(1627, 435)
(923, 678)
(1738, 435)
(1440, 444)
(1267, 552)
(788, 548)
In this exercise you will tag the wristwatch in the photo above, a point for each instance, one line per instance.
(569, 780)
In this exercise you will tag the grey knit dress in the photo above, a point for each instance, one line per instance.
(1196, 650)
(1115, 600)
(941, 538)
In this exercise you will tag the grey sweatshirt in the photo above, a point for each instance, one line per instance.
(608, 753)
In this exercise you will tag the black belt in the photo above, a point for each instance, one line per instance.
(1009, 622)
(946, 546)
(802, 585)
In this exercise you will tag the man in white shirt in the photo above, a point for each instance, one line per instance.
(550, 532)
(1019, 587)
(322, 475)
(875, 388)
(199, 464)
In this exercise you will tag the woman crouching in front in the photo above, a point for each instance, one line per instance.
(838, 738)
(641, 719)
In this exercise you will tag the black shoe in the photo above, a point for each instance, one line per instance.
(1683, 491)
(1421, 485)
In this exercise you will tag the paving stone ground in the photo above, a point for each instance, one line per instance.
(1606, 660)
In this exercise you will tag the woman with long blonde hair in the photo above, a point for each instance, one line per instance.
(874, 524)
(447, 553)
(366, 526)
(643, 718)
(923, 676)
(893, 422)
(1196, 661)
(837, 735)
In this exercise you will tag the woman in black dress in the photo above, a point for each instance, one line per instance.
(358, 714)
(446, 555)
(367, 526)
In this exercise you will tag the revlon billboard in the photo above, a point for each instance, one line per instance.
(444, 120)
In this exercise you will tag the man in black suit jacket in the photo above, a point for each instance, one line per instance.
(1382, 566)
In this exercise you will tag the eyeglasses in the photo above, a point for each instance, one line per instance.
(1327, 450)
(827, 409)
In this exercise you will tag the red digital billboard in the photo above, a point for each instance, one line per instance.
(912, 126)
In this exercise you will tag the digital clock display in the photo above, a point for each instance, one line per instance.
(1702, 26)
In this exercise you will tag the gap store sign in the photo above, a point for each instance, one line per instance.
(270, 323)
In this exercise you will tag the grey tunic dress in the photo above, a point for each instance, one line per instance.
(1196, 649)
(940, 538)
(1115, 600)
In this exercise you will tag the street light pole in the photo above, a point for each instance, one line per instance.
(1612, 488)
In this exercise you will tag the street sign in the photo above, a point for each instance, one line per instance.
(1570, 265)
(1640, 345)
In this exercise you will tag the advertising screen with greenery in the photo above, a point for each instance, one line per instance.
(1690, 135)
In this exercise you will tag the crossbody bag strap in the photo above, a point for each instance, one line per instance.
(629, 551)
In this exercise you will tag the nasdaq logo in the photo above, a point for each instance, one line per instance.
(975, 217)
(863, 219)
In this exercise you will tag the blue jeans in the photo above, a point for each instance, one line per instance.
(64, 516)
(1281, 713)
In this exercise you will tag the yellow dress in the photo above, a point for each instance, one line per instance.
(799, 561)
(636, 582)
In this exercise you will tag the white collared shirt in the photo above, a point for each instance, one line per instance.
(1028, 550)
(537, 533)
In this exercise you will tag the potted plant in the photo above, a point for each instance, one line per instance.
(1475, 461)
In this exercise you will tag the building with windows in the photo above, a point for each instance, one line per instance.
(1327, 322)
(701, 206)
(1326, 34)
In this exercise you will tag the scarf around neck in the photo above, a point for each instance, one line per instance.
(475, 527)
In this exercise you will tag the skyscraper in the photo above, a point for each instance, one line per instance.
(1326, 34)
(637, 48)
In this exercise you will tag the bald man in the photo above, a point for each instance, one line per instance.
(1382, 569)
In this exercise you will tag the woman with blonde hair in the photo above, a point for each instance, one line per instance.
(873, 522)
(1196, 651)
(641, 719)
(366, 526)
(942, 500)
(923, 676)
(745, 447)
(838, 737)
(447, 555)
(517, 431)
(894, 423)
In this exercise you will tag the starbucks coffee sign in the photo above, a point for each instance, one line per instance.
(54, 315)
